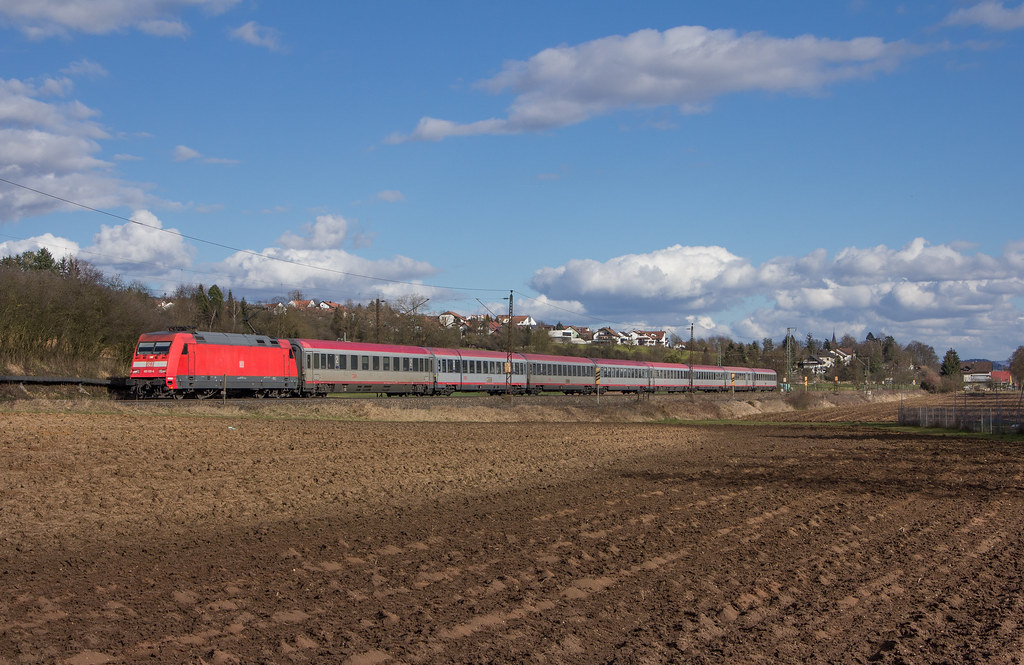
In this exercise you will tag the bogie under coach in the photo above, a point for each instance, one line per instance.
(203, 364)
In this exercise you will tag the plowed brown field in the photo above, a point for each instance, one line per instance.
(482, 531)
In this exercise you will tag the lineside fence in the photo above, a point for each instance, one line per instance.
(990, 413)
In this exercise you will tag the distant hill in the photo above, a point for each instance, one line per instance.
(996, 364)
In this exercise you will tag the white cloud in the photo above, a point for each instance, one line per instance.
(57, 246)
(391, 196)
(327, 232)
(50, 144)
(990, 15)
(143, 242)
(258, 35)
(39, 19)
(325, 270)
(687, 67)
(930, 292)
(183, 153)
(86, 68)
(691, 277)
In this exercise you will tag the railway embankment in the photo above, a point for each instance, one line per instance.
(877, 406)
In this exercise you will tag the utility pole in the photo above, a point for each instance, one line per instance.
(689, 358)
(378, 319)
(789, 355)
(508, 354)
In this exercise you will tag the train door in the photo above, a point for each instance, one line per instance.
(188, 352)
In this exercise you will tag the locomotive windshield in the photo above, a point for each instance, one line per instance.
(153, 348)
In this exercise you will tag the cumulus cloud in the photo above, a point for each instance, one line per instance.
(50, 144)
(57, 246)
(258, 35)
(315, 260)
(39, 19)
(687, 67)
(327, 232)
(142, 247)
(916, 291)
(989, 15)
(707, 278)
(142, 242)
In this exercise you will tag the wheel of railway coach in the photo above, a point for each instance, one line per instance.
(259, 394)
(177, 394)
(204, 394)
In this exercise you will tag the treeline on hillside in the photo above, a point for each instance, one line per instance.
(66, 317)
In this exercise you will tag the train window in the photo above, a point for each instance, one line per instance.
(144, 348)
(387, 364)
(354, 362)
(405, 364)
(364, 363)
(316, 361)
(394, 363)
(162, 348)
(341, 362)
(376, 363)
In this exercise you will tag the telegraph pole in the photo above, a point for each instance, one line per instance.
(508, 355)
(689, 358)
(789, 356)
(378, 320)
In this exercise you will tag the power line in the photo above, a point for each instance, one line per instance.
(268, 257)
(240, 250)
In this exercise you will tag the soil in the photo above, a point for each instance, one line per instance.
(720, 529)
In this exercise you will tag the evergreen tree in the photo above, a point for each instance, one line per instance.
(951, 364)
(1017, 366)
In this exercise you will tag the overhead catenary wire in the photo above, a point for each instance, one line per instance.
(300, 264)
(248, 252)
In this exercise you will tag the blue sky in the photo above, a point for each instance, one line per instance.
(746, 166)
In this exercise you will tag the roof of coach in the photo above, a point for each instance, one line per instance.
(558, 359)
(622, 363)
(327, 345)
(475, 353)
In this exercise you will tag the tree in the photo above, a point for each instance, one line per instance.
(1017, 366)
(951, 363)
(922, 355)
(952, 377)
(215, 300)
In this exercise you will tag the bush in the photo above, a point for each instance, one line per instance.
(800, 400)
(930, 380)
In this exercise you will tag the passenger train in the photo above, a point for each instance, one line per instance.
(203, 364)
